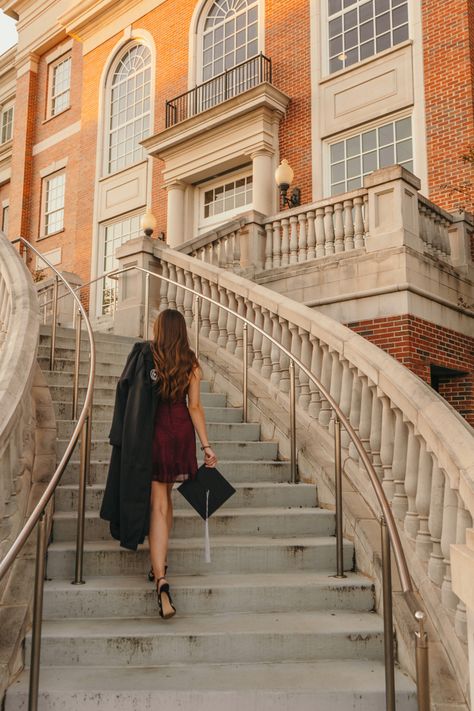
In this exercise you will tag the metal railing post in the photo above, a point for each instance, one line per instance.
(339, 516)
(293, 422)
(77, 362)
(388, 618)
(53, 323)
(81, 503)
(422, 664)
(198, 322)
(147, 306)
(37, 613)
(245, 347)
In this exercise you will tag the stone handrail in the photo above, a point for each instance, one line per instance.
(434, 224)
(420, 447)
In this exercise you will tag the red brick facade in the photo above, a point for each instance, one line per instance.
(425, 347)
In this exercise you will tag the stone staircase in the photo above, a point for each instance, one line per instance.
(263, 626)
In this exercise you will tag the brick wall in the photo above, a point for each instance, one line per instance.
(419, 345)
(448, 47)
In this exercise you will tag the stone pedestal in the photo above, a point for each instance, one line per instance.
(263, 182)
(66, 302)
(176, 212)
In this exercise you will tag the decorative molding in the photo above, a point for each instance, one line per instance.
(53, 167)
(56, 138)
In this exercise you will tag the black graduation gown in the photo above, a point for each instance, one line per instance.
(126, 501)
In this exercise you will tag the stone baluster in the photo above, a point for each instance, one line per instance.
(376, 433)
(200, 254)
(214, 314)
(197, 286)
(221, 256)
(411, 481)
(268, 246)
(346, 397)
(348, 225)
(275, 352)
(435, 525)
(338, 228)
(237, 249)
(360, 227)
(422, 503)
(208, 253)
(399, 463)
(328, 230)
(316, 364)
(335, 385)
(239, 328)
(172, 287)
(222, 319)
(285, 242)
(266, 345)
(257, 339)
(188, 299)
(164, 286)
(250, 315)
(296, 351)
(365, 414)
(311, 235)
(205, 309)
(319, 229)
(306, 352)
(326, 368)
(354, 410)
(231, 323)
(284, 359)
(303, 240)
(276, 244)
(386, 448)
(448, 536)
(464, 521)
(293, 239)
(180, 291)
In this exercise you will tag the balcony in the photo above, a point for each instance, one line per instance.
(230, 83)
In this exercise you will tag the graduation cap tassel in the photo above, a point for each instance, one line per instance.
(207, 544)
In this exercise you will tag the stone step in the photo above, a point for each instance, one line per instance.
(225, 638)
(105, 411)
(336, 684)
(237, 471)
(225, 449)
(65, 332)
(54, 377)
(187, 523)
(131, 596)
(66, 365)
(217, 431)
(106, 395)
(250, 554)
(105, 354)
(248, 495)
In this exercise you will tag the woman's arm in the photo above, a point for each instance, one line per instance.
(198, 417)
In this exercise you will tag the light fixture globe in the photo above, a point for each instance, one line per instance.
(148, 223)
(284, 175)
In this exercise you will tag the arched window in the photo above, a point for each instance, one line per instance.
(230, 35)
(129, 108)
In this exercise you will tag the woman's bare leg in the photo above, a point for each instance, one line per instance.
(160, 517)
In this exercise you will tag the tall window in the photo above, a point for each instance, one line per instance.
(6, 123)
(353, 158)
(362, 28)
(230, 35)
(115, 235)
(53, 208)
(60, 85)
(130, 106)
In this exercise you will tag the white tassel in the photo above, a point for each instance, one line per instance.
(207, 545)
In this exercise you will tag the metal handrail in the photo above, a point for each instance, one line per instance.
(83, 427)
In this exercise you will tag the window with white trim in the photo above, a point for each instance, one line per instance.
(222, 200)
(59, 85)
(54, 187)
(358, 29)
(230, 36)
(129, 108)
(115, 234)
(6, 123)
(353, 158)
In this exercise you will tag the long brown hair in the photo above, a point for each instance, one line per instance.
(174, 359)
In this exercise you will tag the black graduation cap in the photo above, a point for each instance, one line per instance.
(206, 493)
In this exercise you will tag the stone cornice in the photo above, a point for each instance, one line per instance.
(83, 20)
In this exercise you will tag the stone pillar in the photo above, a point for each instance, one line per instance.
(462, 572)
(393, 209)
(176, 212)
(460, 240)
(263, 182)
(130, 309)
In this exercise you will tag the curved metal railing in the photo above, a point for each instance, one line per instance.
(38, 515)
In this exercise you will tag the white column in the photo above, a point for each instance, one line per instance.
(175, 222)
(263, 182)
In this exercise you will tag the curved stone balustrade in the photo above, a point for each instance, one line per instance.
(421, 449)
(434, 224)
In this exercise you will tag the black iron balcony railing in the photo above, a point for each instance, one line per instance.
(230, 83)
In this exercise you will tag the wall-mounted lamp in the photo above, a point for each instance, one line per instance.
(148, 223)
(284, 177)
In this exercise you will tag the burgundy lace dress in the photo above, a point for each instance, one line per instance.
(174, 443)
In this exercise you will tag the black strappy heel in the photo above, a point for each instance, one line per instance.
(151, 574)
(165, 590)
